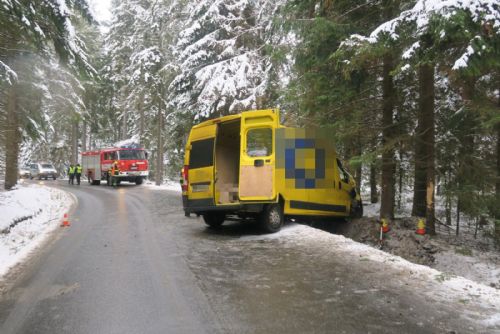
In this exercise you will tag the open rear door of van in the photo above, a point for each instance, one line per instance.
(256, 182)
(201, 166)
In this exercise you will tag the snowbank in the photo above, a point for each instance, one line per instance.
(436, 285)
(168, 185)
(28, 215)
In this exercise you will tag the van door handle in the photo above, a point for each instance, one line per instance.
(258, 162)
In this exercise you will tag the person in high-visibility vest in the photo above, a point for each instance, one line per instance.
(115, 171)
(78, 173)
(71, 174)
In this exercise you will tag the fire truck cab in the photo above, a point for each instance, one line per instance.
(132, 162)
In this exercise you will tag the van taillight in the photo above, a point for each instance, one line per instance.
(185, 178)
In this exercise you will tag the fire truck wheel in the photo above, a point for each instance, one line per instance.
(272, 218)
(214, 219)
(138, 180)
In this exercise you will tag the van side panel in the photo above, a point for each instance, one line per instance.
(306, 174)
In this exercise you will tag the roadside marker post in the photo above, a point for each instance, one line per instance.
(420, 227)
(385, 225)
(65, 222)
(381, 238)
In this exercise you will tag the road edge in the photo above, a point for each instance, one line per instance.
(24, 265)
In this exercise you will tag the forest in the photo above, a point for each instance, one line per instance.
(409, 90)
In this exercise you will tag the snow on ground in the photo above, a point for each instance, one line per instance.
(433, 283)
(462, 255)
(167, 185)
(27, 215)
(477, 266)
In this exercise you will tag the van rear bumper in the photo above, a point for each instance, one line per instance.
(208, 204)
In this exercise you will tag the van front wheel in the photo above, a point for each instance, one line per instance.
(214, 219)
(272, 218)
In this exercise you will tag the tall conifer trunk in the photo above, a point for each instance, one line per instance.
(159, 157)
(74, 142)
(358, 171)
(388, 165)
(497, 207)
(426, 102)
(373, 184)
(141, 119)
(466, 161)
(12, 138)
(124, 126)
(419, 190)
(84, 136)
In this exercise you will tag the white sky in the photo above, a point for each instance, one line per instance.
(101, 10)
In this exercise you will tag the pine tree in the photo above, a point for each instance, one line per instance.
(224, 67)
(425, 29)
(31, 28)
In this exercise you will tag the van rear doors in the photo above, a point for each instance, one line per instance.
(256, 181)
(201, 166)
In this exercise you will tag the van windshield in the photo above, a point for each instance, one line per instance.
(131, 155)
(47, 166)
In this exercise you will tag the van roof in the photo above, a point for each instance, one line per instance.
(228, 118)
(217, 120)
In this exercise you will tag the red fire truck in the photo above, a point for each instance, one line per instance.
(132, 162)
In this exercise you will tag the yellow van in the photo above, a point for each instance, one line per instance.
(251, 166)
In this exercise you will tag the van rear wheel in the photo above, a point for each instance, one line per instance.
(214, 219)
(272, 218)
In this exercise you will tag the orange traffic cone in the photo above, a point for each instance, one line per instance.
(420, 227)
(385, 225)
(65, 222)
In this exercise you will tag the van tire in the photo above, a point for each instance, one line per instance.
(214, 219)
(272, 218)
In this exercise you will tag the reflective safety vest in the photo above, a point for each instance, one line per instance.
(115, 170)
(78, 169)
(72, 170)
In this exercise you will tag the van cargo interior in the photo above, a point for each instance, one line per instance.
(227, 160)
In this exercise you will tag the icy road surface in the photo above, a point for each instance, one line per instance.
(132, 263)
